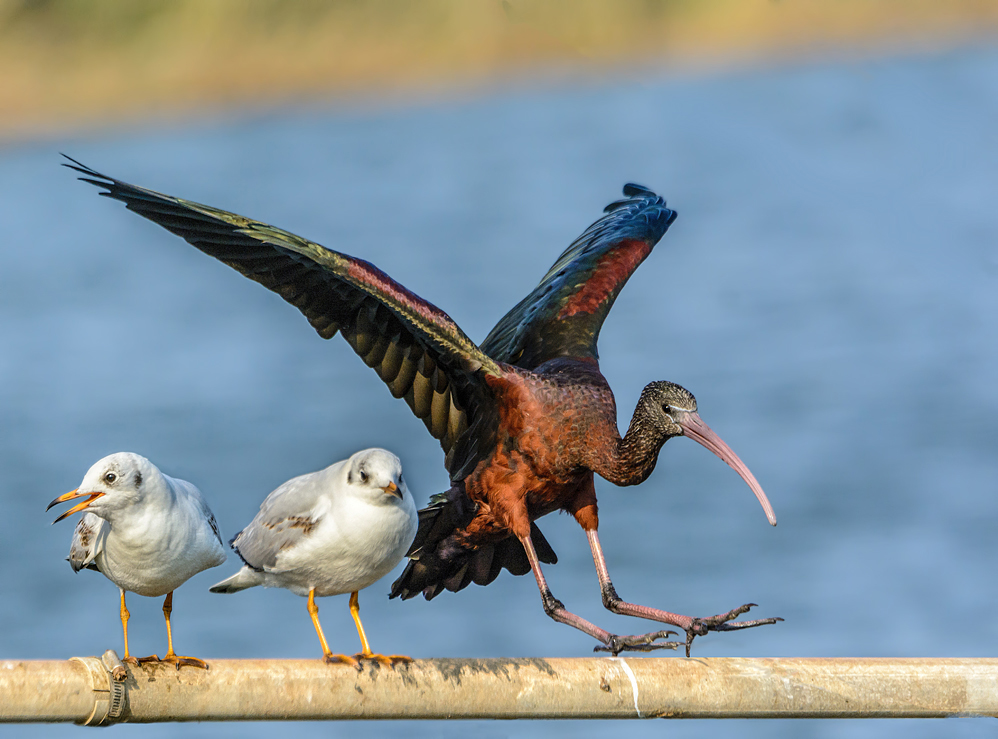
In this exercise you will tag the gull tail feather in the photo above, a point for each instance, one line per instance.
(245, 578)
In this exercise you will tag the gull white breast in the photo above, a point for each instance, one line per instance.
(148, 533)
(329, 532)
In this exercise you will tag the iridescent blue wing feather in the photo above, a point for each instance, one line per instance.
(563, 315)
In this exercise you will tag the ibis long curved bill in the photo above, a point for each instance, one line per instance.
(694, 427)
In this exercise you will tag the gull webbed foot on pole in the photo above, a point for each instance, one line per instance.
(180, 660)
(355, 660)
(332, 659)
(141, 660)
(393, 659)
(385, 660)
(177, 660)
(366, 653)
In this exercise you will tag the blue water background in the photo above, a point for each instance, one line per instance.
(829, 293)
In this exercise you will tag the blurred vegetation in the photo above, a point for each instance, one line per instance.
(76, 63)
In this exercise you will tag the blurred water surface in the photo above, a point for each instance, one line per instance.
(829, 293)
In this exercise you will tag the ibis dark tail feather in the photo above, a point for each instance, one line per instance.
(440, 561)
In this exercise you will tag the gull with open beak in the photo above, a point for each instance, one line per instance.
(330, 532)
(146, 532)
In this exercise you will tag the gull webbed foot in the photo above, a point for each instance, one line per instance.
(384, 660)
(180, 660)
(177, 660)
(387, 660)
(346, 659)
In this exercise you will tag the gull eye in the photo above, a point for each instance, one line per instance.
(110, 477)
(363, 476)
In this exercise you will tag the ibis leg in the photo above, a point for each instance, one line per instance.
(556, 610)
(693, 627)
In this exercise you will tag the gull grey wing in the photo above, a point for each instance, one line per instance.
(287, 516)
(88, 542)
(211, 521)
(199, 501)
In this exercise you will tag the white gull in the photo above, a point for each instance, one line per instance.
(148, 533)
(329, 532)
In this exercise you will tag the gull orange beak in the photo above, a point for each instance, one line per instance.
(72, 494)
(393, 489)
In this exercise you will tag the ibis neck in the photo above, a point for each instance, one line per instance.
(634, 456)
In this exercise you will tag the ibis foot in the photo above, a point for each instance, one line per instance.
(723, 622)
(637, 643)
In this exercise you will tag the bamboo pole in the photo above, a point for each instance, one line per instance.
(83, 690)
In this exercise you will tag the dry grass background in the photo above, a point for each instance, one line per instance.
(71, 64)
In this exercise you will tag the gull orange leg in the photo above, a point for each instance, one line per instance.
(124, 627)
(327, 654)
(366, 653)
(170, 656)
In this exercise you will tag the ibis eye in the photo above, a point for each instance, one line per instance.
(110, 477)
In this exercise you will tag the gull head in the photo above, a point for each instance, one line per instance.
(376, 475)
(114, 483)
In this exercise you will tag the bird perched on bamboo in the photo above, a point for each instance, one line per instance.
(146, 532)
(334, 531)
(525, 420)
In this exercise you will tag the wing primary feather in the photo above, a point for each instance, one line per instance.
(403, 380)
(395, 331)
(422, 395)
